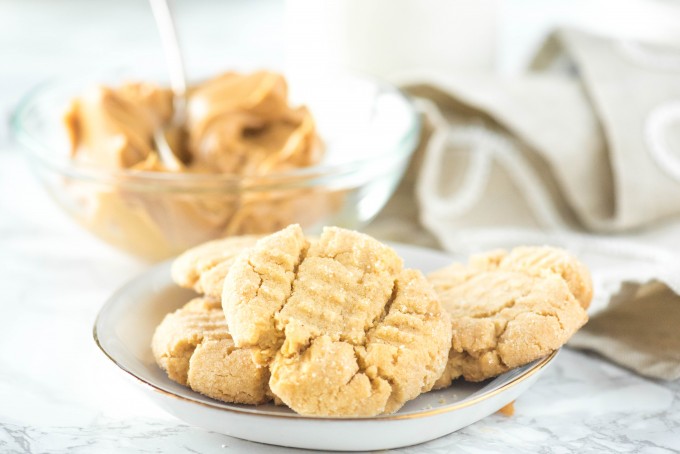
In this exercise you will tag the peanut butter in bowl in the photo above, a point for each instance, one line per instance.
(237, 125)
(251, 160)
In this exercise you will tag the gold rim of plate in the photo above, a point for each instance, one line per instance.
(540, 364)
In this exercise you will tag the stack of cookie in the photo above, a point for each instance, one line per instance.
(336, 326)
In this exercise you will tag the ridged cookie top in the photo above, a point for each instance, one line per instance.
(204, 267)
(195, 349)
(540, 261)
(344, 329)
(180, 332)
(257, 287)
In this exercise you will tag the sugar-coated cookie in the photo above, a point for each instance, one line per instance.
(508, 309)
(343, 328)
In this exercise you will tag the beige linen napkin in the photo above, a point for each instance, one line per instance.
(585, 145)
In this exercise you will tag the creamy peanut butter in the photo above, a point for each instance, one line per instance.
(244, 125)
(114, 127)
(236, 124)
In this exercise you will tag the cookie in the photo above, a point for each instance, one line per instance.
(204, 267)
(539, 261)
(343, 328)
(195, 349)
(510, 309)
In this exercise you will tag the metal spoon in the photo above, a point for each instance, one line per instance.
(178, 84)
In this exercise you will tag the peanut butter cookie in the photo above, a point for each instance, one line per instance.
(204, 267)
(540, 261)
(343, 328)
(194, 347)
(510, 309)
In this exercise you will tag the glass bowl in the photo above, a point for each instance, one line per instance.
(369, 129)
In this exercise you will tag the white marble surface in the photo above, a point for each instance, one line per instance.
(57, 391)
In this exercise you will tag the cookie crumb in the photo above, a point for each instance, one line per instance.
(508, 410)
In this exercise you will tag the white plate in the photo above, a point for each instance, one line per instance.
(123, 331)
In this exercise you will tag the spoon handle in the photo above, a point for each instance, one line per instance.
(173, 56)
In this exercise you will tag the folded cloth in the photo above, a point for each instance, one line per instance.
(579, 152)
